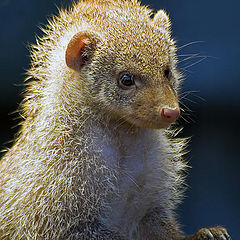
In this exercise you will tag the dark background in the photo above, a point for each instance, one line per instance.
(211, 90)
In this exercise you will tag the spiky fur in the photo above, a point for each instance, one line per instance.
(75, 171)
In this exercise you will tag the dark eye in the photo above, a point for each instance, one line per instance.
(126, 81)
(167, 73)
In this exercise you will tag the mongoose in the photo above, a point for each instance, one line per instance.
(95, 157)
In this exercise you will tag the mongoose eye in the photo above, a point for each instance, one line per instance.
(167, 73)
(126, 81)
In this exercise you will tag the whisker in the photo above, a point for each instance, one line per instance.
(189, 92)
(185, 70)
(189, 44)
(192, 93)
(194, 63)
(186, 55)
(188, 100)
(181, 117)
(196, 55)
(186, 108)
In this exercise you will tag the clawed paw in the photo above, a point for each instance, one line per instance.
(212, 233)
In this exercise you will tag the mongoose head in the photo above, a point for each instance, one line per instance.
(129, 69)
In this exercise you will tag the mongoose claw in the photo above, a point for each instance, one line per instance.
(212, 233)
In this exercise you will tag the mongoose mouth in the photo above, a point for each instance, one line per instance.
(166, 117)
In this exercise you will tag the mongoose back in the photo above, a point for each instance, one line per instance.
(94, 158)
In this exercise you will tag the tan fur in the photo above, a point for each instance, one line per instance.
(90, 161)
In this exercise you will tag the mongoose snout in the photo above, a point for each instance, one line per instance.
(170, 115)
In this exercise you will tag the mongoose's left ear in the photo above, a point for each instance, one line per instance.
(80, 49)
(162, 20)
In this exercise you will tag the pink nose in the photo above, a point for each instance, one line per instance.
(170, 115)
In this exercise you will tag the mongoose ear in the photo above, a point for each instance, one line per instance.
(162, 20)
(80, 49)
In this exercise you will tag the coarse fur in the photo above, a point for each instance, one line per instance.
(90, 161)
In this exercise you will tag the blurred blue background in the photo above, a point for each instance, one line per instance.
(211, 90)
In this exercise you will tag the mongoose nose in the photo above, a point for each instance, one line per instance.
(170, 115)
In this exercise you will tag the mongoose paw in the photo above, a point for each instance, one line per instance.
(212, 233)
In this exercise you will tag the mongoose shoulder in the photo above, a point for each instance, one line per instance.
(94, 158)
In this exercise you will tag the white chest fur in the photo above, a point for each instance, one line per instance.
(141, 168)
